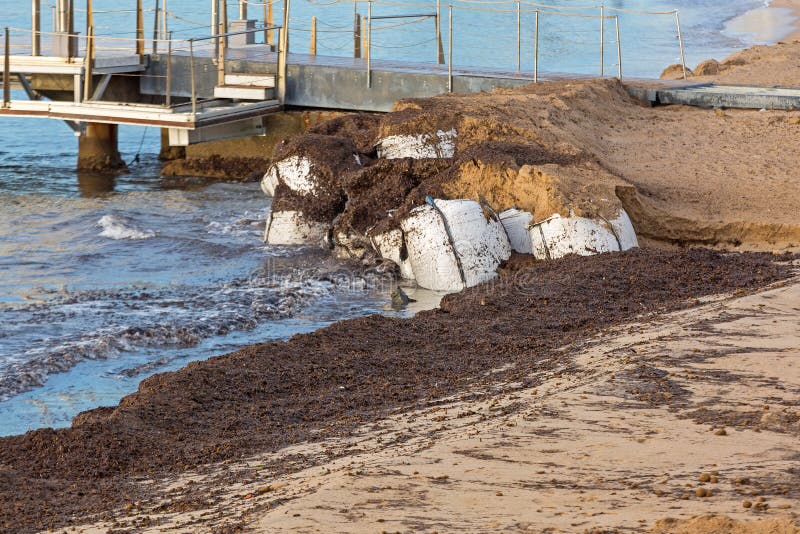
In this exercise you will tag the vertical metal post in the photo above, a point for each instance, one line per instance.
(191, 75)
(7, 70)
(619, 49)
(139, 28)
(155, 31)
(519, 37)
(369, 44)
(357, 36)
(439, 49)
(536, 50)
(313, 46)
(602, 39)
(215, 24)
(60, 16)
(164, 19)
(36, 27)
(680, 42)
(242, 9)
(169, 70)
(450, 49)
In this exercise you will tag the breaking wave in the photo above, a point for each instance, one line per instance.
(118, 228)
(182, 316)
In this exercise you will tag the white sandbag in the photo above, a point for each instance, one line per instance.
(558, 236)
(270, 181)
(452, 245)
(516, 222)
(421, 146)
(391, 246)
(295, 171)
(623, 229)
(291, 228)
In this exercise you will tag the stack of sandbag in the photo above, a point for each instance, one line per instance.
(447, 245)
(557, 236)
(304, 180)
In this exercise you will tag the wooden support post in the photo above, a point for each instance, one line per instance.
(36, 27)
(215, 24)
(155, 30)
(283, 52)
(680, 43)
(7, 70)
(223, 42)
(357, 36)
(242, 9)
(270, 22)
(89, 19)
(313, 46)
(139, 28)
(88, 68)
(223, 22)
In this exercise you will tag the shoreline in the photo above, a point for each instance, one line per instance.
(508, 357)
(764, 25)
(794, 5)
(319, 388)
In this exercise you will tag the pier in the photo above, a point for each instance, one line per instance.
(222, 83)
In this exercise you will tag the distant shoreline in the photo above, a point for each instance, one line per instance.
(777, 21)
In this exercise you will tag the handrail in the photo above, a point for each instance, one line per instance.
(230, 34)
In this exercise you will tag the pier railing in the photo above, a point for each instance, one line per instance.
(540, 35)
(104, 56)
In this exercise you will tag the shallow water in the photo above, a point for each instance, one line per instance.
(484, 33)
(107, 280)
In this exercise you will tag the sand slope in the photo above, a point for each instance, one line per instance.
(685, 175)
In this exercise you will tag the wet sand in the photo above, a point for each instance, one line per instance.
(125, 464)
(778, 21)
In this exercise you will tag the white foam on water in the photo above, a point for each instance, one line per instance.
(134, 319)
(116, 228)
(249, 223)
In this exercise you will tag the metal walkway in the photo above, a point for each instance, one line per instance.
(709, 95)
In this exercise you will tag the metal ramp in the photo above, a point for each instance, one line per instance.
(212, 119)
(723, 96)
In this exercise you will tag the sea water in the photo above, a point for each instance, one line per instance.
(105, 280)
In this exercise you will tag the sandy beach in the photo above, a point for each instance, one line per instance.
(778, 21)
(652, 390)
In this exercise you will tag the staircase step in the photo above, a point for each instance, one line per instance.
(243, 92)
(251, 80)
